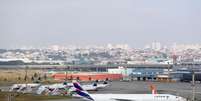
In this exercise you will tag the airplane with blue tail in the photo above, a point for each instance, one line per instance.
(125, 97)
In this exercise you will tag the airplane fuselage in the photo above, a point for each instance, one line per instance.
(136, 97)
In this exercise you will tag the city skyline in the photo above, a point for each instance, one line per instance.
(152, 45)
(76, 22)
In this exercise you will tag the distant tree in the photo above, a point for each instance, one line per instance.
(5, 79)
(106, 79)
(19, 78)
(39, 78)
(35, 75)
(45, 76)
(25, 78)
(89, 78)
(78, 78)
(32, 78)
(71, 77)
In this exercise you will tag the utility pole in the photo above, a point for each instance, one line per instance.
(193, 85)
(66, 74)
(168, 72)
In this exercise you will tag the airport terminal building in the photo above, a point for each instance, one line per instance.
(133, 72)
(144, 72)
(183, 72)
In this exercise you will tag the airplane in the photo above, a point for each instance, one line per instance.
(80, 92)
(24, 88)
(101, 86)
(54, 89)
(59, 88)
(95, 86)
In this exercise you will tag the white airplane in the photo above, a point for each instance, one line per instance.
(90, 87)
(61, 89)
(79, 91)
(54, 89)
(101, 86)
(24, 88)
(95, 86)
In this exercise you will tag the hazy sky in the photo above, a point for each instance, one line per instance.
(82, 22)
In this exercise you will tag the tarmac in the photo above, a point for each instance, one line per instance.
(141, 87)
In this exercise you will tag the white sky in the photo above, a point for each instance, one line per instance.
(83, 22)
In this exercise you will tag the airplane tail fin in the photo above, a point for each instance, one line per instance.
(153, 89)
(78, 86)
(81, 92)
(95, 84)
